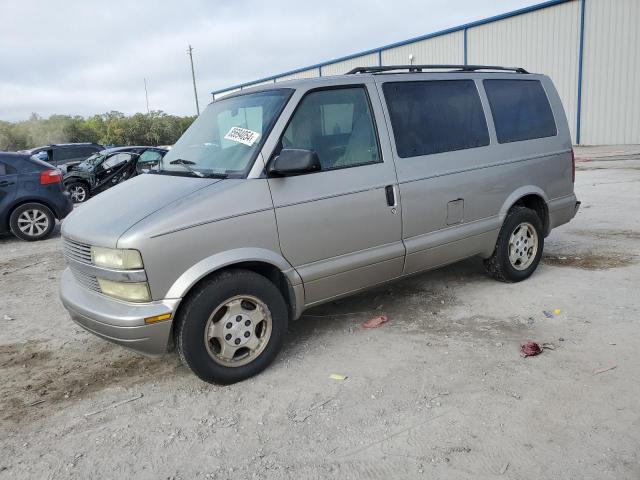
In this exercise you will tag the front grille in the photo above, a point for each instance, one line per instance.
(81, 253)
(77, 251)
(86, 280)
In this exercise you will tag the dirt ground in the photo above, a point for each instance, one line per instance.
(440, 391)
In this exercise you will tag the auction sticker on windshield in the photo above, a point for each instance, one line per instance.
(242, 135)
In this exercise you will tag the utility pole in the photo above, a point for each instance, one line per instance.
(193, 76)
(146, 95)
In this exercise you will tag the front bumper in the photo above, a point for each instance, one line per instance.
(117, 321)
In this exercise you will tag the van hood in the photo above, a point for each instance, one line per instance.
(104, 218)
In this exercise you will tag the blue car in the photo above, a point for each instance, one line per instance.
(31, 196)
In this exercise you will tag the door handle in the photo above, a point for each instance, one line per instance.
(391, 195)
(5, 183)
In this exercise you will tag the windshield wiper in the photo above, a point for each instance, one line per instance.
(216, 175)
(186, 164)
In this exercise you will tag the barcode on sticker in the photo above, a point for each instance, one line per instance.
(242, 135)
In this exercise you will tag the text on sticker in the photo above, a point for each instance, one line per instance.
(242, 135)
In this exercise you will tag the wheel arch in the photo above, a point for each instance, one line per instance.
(72, 180)
(531, 197)
(261, 261)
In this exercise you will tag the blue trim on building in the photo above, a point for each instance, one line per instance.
(583, 4)
(514, 13)
(465, 46)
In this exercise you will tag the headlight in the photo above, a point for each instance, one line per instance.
(132, 292)
(116, 258)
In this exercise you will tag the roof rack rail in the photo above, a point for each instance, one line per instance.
(420, 68)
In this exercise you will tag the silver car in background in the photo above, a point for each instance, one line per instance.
(282, 197)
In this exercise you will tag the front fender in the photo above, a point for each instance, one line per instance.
(231, 257)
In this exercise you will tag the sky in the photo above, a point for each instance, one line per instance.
(86, 57)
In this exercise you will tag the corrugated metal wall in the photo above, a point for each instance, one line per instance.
(611, 69)
(542, 39)
(312, 72)
(447, 48)
(340, 68)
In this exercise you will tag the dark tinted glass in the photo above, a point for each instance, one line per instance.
(520, 109)
(435, 116)
(86, 151)
(3, 169)
(64, 153)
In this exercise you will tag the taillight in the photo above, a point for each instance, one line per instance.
(50, 176)
(573, 166)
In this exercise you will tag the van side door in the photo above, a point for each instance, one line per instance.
(440, 137)
(340, 227)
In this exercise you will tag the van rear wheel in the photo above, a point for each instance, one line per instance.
(231, 327)
(519, 246)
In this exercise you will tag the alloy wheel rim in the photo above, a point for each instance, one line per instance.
(238, 331)
(523, 246)
(33, 222)
(78, 193)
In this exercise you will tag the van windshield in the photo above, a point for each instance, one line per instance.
(226, 138)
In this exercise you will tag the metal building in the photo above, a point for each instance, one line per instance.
(590, 48)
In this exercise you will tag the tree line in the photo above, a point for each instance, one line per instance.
(112, 128)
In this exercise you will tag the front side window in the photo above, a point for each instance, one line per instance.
(520, 110)
(338, 125)
(226, 138)
(435, 116)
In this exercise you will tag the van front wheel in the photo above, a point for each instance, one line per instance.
(519, 246)
(231, 327)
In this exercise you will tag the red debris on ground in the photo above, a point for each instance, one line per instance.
(375, 322)
(530, 349)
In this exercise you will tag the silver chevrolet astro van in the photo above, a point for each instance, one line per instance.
(285, 196)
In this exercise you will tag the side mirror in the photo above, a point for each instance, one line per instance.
(294, 161)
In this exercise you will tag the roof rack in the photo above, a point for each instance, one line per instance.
(420, 68)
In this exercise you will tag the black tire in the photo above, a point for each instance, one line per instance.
(498, 265)
(79, 192)
(40, 230)
(194, 314)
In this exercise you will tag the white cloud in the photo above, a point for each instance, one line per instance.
(86, 57)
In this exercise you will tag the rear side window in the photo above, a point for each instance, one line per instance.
(435, 116)
(3, 169)
(520, 109)
(85, 151)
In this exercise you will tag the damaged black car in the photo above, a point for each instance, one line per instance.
(109, 167)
